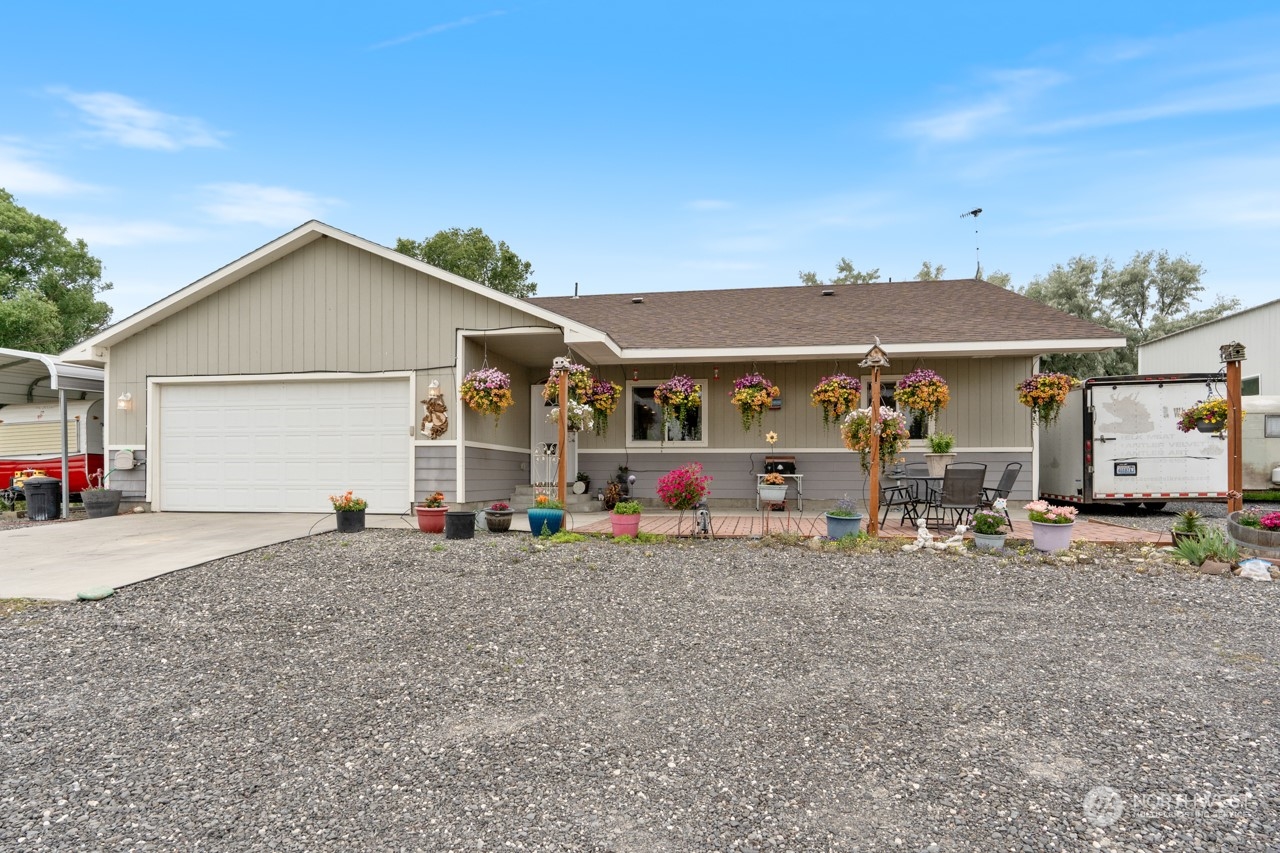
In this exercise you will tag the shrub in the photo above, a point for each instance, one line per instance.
(942, 442)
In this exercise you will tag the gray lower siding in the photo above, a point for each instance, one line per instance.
(435, 470)
(492, 475)
(827, 476)
(132, 482)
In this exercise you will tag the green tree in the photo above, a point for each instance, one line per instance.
(928, 272)
(473, 254)
(1151, 296)
(48, 283)
(845, 274)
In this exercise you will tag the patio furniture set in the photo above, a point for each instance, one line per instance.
(945, 501)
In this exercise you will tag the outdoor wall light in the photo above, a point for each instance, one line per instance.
(715, 373)
(124, 402)
(433, 390)
(635, 374)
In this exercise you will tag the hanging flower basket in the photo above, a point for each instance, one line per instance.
(894, 434)
(922, 391)
(604, 397)
(1044, 394)
(753, 394)
(837, 396)
(580, 383)
(581, 416)
(678, 396)
(487, 391)
(1205, 416)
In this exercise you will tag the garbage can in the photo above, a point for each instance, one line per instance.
(43, 495)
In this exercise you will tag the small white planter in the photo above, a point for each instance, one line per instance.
(1051, 537)
(773, 494)
(989, 541)
(938, 463)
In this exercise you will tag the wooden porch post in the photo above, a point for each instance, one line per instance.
(876, 358)
(563, 436)
(1233, 354)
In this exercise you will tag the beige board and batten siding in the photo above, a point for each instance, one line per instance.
(512, 428)
(983, 413)
(325, 307)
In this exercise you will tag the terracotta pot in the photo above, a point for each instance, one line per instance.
(431, 518)
(625, 525)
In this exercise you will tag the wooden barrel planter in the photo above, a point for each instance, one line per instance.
(1255, 540)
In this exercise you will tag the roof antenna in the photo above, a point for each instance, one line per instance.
(575, 290)
(977, 251)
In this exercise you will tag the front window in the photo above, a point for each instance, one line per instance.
(648, 422)
(917, 422)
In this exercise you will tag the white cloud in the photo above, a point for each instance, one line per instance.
(1014, 91)
(126, 122)
(270, 206)
(709, 204)
(136, 233)
(21, 173)
(437, 28)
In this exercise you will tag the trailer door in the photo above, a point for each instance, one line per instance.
(1138, 452)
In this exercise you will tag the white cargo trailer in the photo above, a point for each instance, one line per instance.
(1117, 440)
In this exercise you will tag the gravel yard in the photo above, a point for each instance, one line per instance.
(388, 690)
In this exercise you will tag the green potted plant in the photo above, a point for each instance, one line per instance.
(546, 516)
(350, 511)
(99, 501)
(843, 519)
(497, 517)
(1187, 524)
(989, 527)
(431, 513)
(940, 455)
(585, 479)
(1051, 525)
(625, 518)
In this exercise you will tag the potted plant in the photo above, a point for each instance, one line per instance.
(546, 516)
(487, 391)
(350, 511)
(431, 513)
(773, 488)
(752, 394)
(894, 434)
(1205, 416)
(1044, 394)
(497, 517)
(922, 391)
(678, 396)
(585, 479)
(844, 519)
(684, 487)
(1051, 525)
(1186, 525)
(1256, 530)
(625, 518)
(836, 395)
(940, 455)
(99, 501)
(989, 527)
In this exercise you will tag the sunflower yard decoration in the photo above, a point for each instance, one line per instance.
(1044, 394)
(753, 394)
(837, 395)
(922, 391)
(678, 396)
(487, 391)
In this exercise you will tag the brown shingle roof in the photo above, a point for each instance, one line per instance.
(923, 312)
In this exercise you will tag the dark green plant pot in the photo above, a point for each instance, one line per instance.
(839, 526)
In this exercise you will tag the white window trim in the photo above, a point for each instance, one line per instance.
(633, 443)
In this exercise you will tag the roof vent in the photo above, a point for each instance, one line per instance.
(636, 300)
(828, 292)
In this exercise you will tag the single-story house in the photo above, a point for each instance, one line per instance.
(1195, 350)
(303, 369)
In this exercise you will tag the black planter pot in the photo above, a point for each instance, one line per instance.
(350, 520)
(101, 503)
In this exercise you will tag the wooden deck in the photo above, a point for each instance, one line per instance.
(753, 525)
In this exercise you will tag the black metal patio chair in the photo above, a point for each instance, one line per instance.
(959, 495)
(1002, 489)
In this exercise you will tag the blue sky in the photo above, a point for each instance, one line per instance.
(654, 146)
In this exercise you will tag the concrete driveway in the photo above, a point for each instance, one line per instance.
(60, 560)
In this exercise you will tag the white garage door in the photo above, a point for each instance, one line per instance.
(283, 446)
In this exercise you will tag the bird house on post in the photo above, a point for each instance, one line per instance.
(1232, 354)
(875, 359)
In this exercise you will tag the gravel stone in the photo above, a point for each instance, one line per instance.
(391, 690)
